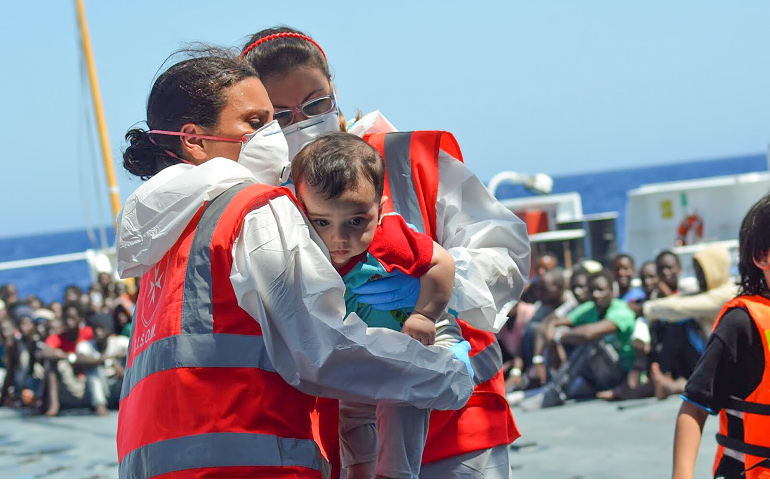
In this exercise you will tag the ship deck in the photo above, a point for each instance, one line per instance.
(595, 439)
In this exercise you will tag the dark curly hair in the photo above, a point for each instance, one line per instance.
(754, 243)
(191, 91)
(336, 162)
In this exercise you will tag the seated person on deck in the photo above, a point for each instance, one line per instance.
(638, 382)
(624, 271)
(686, 320)
(596, 336)
(517, 340)
(65, 381)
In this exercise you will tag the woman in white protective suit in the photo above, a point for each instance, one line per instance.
(239, 321)
(429, 186)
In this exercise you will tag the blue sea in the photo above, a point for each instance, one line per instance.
(603, 191)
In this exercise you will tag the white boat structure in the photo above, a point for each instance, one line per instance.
(682, 216)
(656, 214)
(557, 223)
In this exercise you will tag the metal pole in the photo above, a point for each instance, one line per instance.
(98, 110)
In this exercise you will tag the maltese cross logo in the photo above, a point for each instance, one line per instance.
(153, 282)
(155, 285)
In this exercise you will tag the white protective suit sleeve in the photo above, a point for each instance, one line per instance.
(489, 243)
(283, 279)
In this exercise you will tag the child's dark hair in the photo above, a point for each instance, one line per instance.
(81, 311)
(754, 243)
(73, 288)
(555, 276)
(119, 308)
(645, 265)
(578, 271)
(191, 91)
(603, 273)
(666, 253)
(621, 256)
(337, 162)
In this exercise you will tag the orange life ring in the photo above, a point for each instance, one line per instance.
(691, 223)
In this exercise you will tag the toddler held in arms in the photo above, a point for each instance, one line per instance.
(339, 181)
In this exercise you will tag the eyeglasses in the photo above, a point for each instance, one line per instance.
(311, 108)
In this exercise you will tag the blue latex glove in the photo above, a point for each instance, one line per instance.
(390, 293)
(461, 351)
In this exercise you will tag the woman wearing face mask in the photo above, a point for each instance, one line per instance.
(432, 189)
(239, 316)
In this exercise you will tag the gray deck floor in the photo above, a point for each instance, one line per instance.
(582, 440)
(596, 439)
(74, 445)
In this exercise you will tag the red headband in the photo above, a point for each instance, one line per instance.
(280, 35)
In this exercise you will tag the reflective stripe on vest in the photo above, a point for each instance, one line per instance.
(194, 351)
(403, 175)
(197, 307)
(218, 450)
(197, 346)
(411, 173)
(399, 172)
(487, 363)
(753, 445)
(412, 177)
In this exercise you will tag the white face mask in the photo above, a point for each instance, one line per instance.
(301, 133)
(265, 154)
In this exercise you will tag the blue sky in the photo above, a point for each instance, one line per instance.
(557, 87)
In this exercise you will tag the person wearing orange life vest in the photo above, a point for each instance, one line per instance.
(432, 189)
(732, 377)
(239, 321)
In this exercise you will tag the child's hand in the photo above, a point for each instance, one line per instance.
(421, 328)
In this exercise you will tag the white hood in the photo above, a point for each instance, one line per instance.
(156, 214)
(373, 122)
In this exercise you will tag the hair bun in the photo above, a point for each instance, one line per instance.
(139, 157)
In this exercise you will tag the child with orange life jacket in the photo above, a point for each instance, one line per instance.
(340, 180)
(731, 378)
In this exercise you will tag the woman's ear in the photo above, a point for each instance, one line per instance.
(192, 146)
(762, 262)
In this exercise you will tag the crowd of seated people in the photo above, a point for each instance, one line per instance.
(593, 331)
(611, 331)
(66, 354)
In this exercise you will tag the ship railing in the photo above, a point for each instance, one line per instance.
(99, 260)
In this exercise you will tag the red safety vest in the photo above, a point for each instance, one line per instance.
(411, 160)
(753, 447)
(200, 397)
